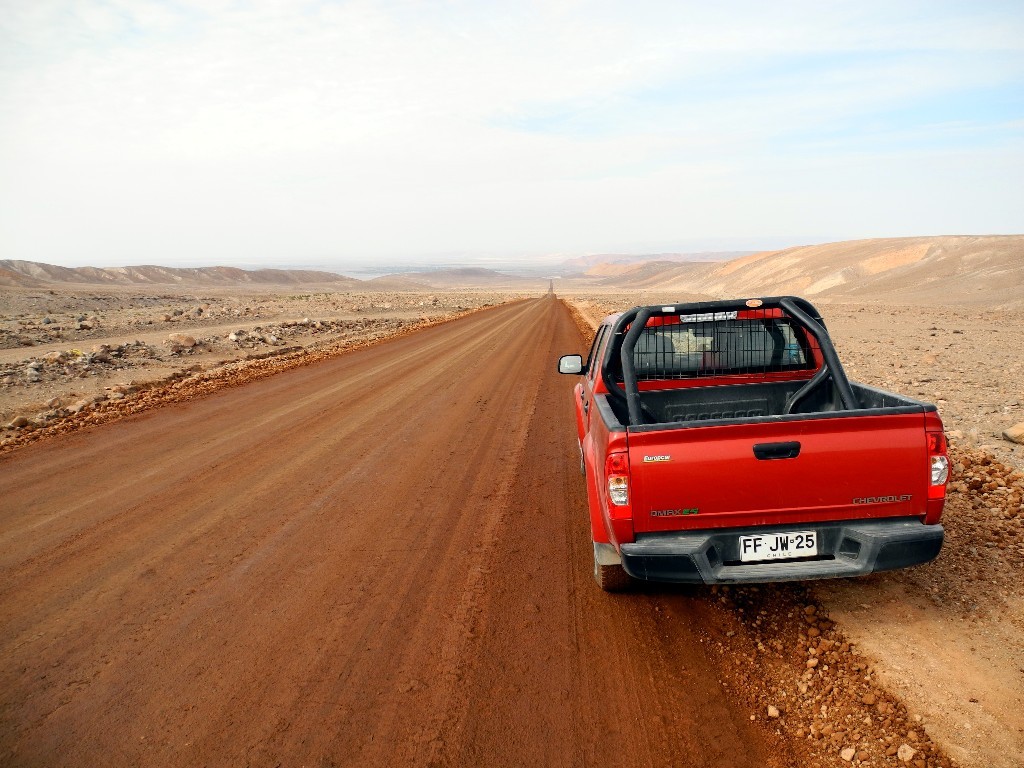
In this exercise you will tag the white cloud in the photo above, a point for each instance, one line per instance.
(265, 130)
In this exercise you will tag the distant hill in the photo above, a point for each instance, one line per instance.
(11, 279)
(472, 277)
(930, 270)
(394, 283)
(31, 274)
(604, 260)
(950, 269)
(654, 274)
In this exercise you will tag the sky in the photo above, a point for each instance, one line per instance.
(367, 134)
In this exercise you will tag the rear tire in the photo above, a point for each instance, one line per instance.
(610, 578)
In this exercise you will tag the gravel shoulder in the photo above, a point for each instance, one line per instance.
(69, 350)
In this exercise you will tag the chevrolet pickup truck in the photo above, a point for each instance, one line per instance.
(723, 443)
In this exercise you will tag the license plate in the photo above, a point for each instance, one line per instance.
(778, 546)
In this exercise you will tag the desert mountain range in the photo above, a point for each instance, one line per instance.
(32, 274)
(950, 269)
(472, 277)
(618, 260)
(985, 270)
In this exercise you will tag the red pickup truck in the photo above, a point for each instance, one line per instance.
(723, 443)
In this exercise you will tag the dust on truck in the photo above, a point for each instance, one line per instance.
(723, 443)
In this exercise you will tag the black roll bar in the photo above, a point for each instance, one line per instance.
(792, 305)
(636, 320)
(629, 370)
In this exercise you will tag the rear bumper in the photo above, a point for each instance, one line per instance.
(846, 548)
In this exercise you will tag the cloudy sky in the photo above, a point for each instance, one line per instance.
(360, 133)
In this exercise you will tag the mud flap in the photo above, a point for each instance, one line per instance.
(606, 554)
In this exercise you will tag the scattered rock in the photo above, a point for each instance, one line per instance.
(848, 754)
(1015, 434)
(773, 711)
(906, 753)
(19, 422)
(60, 371)
(181, 341)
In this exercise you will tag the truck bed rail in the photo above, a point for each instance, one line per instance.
(746, 352)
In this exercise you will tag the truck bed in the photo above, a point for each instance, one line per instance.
(761, 399)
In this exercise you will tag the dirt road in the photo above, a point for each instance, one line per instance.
(379, 560)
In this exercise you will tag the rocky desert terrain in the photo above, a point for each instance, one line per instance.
(71, 348)
(922, 668)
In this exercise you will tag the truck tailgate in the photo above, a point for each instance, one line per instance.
(771, 472)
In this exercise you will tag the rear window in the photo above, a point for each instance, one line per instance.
(720, 346)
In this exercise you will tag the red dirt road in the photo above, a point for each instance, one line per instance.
(382, 559)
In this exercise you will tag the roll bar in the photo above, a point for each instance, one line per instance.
(635, 320)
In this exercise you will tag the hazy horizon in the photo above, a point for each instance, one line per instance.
(550, 263)
(367, 134)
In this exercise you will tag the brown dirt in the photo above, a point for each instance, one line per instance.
(52, 364)
(187, 383)
(949, 636)
(380, 558)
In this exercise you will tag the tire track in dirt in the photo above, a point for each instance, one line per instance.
(377, 559)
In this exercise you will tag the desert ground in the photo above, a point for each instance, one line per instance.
(323, 525)
(72, 348)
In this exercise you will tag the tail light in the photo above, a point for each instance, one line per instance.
(939, 465)
(616, 469)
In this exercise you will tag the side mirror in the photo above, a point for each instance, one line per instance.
(572, 364)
